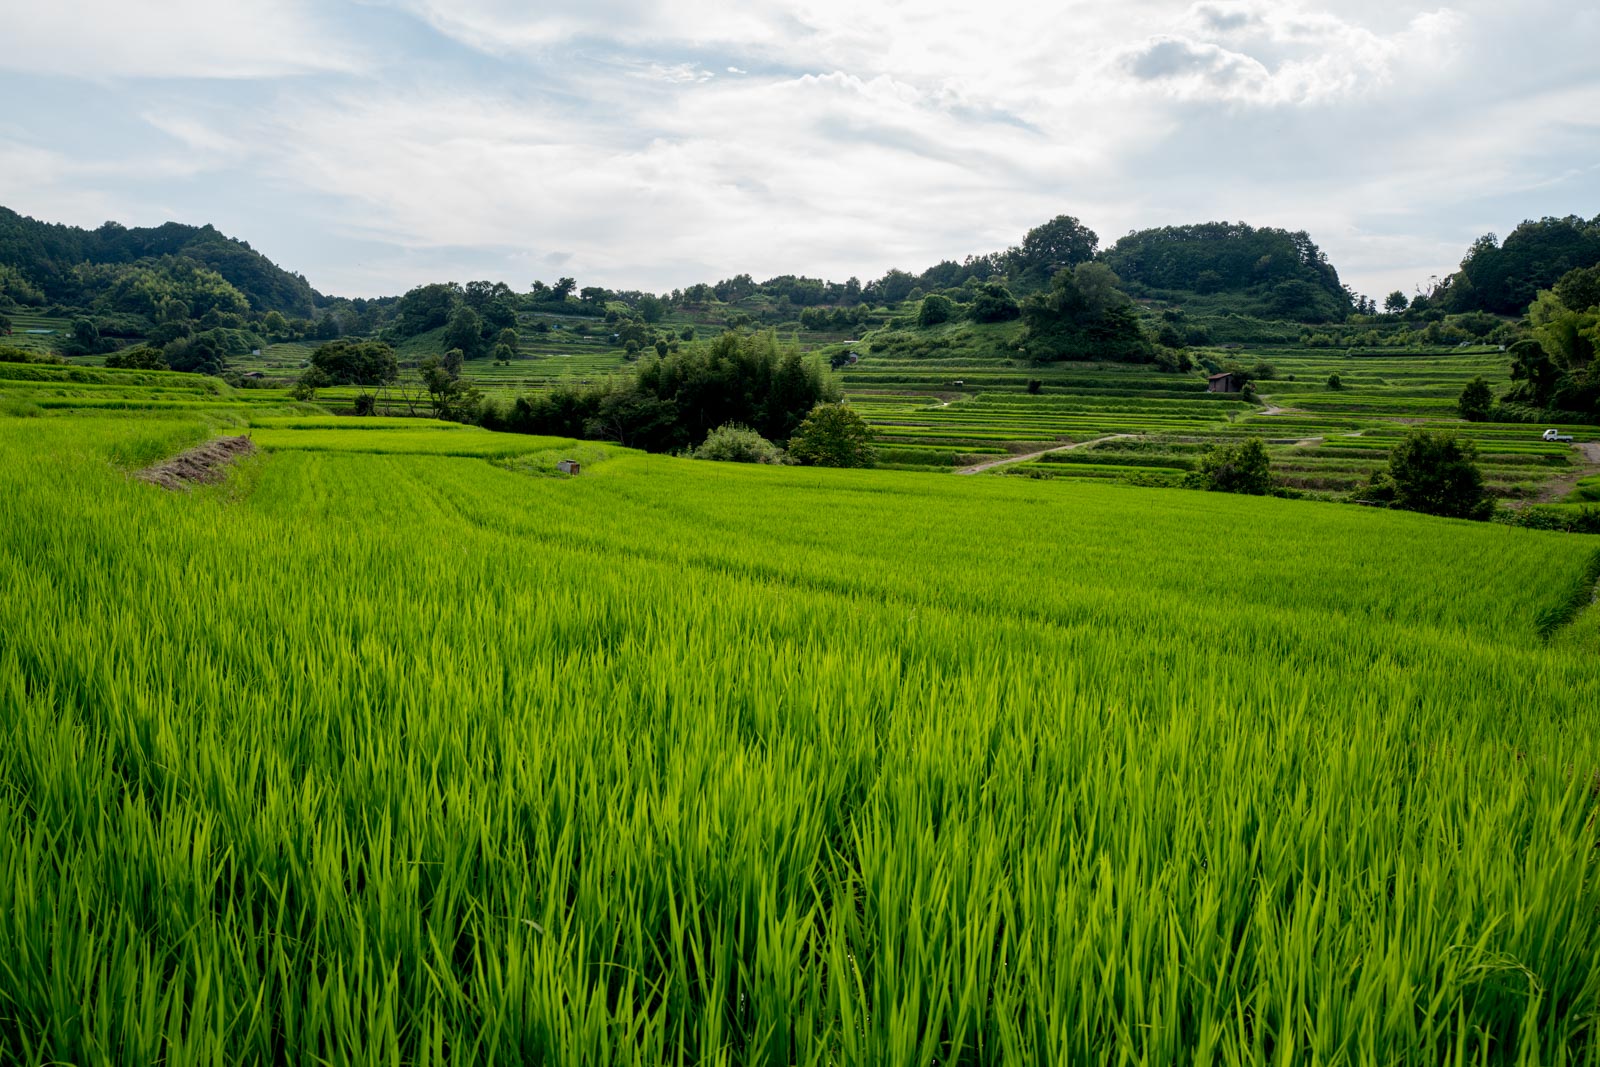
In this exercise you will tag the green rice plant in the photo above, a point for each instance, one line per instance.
(414, 758)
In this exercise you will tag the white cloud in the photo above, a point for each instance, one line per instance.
(172, 39)
(1258, 52)
(822, 173)
(654, 144)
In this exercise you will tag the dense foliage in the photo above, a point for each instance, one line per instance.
(993, 302)
(137, 268)
(733, 443)
(1477, 400)
(1240, 467)
(1557, 369)
(366, 363)
(1434, 472)
(1084, 315)
(672, 402)
(1505, 277)
(832, 435)
(1286, 270)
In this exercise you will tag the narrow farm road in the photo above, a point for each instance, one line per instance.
(1557, 488)
(991, 464)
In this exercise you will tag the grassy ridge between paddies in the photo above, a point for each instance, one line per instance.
(422, 441)
(417, 758)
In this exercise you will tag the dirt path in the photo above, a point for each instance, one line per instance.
(991, 464)
(207, 463)
(1556, 488)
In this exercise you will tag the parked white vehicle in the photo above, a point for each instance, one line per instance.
(1557, 435)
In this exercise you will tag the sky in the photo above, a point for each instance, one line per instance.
(377, 145)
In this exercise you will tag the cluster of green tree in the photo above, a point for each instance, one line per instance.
(1241, 467)
(183, 349)
(838, 318)
(831, 435)
(673, 403)
(1504, 278)
(1432, 328)
(974, 301)
(1555, 370)
(495, 306)
(560, 298)
(1060, 243)
(1284, 272)
(1434, 472)
(1084, 315)
(634, 329)
(473, 315)
(45, 262)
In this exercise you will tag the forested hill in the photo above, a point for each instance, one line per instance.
(136, 270)
(1286, 272)
(1505, 278)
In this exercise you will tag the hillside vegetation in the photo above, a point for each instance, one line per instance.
(68, 265)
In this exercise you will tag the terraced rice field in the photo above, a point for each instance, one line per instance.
(384, 752)
(31, 330)
(1324, 442)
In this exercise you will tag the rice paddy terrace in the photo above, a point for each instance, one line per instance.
(1132, 424)
(396, 745)
(1323, 441)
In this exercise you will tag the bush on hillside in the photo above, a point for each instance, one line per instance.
(1477, 400)
(934, 310)
(1242, 467)
(673, 403)
(12, 354)
(732, 443)
(833, 436)
(993, 302)
(1432, 472)
(143, 357)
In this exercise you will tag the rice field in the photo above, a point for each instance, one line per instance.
(939, 414)
(380, 752)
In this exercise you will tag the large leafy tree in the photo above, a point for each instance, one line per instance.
(364, 363)
(1084, 315)
(1059, 244)
(1242, 467)
(1477, 400)
(465, 332)
(1436, 473)
(833, 436)
(935, 309)
(427, 307)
